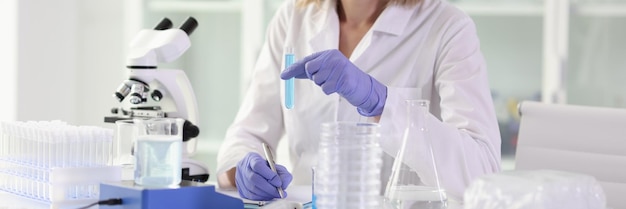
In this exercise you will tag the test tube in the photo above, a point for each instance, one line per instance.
(87, 151)
(10, 127)
(109, 134)
(289, 84)
(4, 141)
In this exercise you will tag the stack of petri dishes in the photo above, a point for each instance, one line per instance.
(348, 171)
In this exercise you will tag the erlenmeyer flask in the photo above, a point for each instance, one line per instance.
(414, 182)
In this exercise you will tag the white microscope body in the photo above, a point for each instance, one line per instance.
(152, 93)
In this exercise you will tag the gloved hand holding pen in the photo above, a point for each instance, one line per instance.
(256, 181)
(332, 71)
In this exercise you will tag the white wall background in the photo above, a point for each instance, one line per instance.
(101, 51)
(66, 62)
(47, 62)
(8, 58)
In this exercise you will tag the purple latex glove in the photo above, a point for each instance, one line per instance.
(332, 71)
(256, 181)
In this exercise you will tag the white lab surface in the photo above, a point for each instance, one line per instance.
(430, 51)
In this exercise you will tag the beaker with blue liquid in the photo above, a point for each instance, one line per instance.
(158, 151)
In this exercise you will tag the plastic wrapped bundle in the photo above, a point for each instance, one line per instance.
(54, 162)
(535, 189)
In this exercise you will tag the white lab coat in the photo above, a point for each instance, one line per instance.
(429, 51)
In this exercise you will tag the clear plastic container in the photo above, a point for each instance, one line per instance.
(348, 171)
(55, 163)
(158, 152)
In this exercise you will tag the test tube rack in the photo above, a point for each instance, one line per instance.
(54, 162)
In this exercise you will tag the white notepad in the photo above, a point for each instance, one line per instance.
(301, 194)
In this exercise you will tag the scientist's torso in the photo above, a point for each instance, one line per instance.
(400, 50)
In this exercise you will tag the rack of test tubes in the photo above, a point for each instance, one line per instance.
(54, 162)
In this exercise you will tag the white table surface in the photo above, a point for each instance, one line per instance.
(11, 201)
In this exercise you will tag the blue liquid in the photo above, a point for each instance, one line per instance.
(289, 84)
(158, 161)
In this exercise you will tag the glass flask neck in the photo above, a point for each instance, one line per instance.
(416, 111)
(415, 104)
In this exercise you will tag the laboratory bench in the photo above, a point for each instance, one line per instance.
(207, 153)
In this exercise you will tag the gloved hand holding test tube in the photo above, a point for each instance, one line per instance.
(289, 83)
(335, 73)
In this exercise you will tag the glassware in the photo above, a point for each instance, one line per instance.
(348, 171)
(158, 152)
(313, 198)
(123, 143)
(414, 182)
(290, 58)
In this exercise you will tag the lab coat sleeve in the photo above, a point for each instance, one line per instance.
(465, 137)
(260, 117)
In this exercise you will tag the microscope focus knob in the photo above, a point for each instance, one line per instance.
(156, 95)
(190, 131)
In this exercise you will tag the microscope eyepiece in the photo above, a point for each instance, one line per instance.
(165, 24)
(189, 25)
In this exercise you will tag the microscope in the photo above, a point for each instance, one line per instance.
(162, 93)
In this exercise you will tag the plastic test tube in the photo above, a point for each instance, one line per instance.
(289, 84)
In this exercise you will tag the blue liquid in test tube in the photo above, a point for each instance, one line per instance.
(289, 84)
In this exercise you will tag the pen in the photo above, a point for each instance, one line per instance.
(270, 160)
